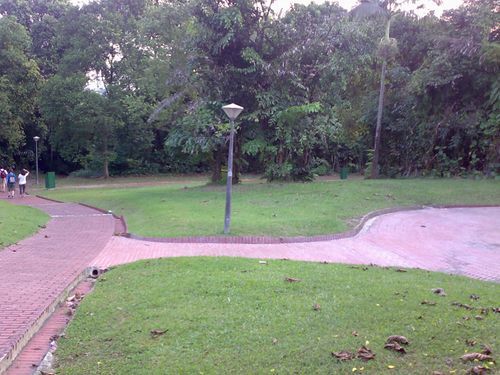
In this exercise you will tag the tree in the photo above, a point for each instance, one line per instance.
(387, 50)
(19, 84)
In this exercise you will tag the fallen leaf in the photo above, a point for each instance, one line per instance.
(478, 317)
(365, 354)
(458, 304)
(486, 349)
(401, 270)
(475, 297)
(354, 333)
(391, 366)
(474, 356)
(316, 307)
(478, 370)
(425, 302)
(343, 355)
(439, 292)
(262, 262)
(158, 332)
(437, 373)
(292, 280)
(396, 338)
(496, 310)
(396, 347)
(449, 362)
(470, 342)
(275, 340)
(484, 310)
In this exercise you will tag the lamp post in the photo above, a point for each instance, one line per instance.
(232, 111)
(36, 139)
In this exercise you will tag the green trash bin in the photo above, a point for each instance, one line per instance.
(344, 171)
(50, 180)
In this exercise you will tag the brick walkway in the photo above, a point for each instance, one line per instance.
(36, 271)
(463, 241)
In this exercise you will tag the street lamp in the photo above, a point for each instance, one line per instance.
(232, 111)
(36, 139)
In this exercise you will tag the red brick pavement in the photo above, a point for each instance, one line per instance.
(463, 241)
(35, 272)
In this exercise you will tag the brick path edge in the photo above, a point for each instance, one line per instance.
(297, 239)
(7, 360)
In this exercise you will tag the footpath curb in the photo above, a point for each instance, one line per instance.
(11, 355)
(122, 228)
(297, 239)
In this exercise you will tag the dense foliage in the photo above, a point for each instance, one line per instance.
(136, 86)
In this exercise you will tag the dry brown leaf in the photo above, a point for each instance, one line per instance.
(439, 292)
(343, 355)
(354, 333)
(474, 356)
(425, 302)
(478, 370)
(396, 347)
(467, 307)
(396, 338)
(158, 332)
(292, 280)
(275, 340)
(475, 297)
(437, 373)
(470, 342)
(316, 307)
(478, 317)
(365, 354)
(486, 349)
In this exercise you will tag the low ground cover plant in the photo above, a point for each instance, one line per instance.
(245, 316)
(18, 222)
(287, 209)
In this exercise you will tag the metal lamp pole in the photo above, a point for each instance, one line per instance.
(232, 111)
(36, 139)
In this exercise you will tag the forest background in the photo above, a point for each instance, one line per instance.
(136, 87)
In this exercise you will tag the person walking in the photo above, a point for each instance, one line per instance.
(22, 182)
(11, 183)
(3, 179)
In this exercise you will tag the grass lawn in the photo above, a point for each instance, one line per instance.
(289, 209)
(18, 222)
(236, 316)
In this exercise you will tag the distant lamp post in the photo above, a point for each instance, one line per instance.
(232, 111)
(36, 139)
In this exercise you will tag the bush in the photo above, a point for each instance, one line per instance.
(278, 172)
(86, 173)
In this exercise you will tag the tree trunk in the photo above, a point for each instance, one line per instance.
(217, 166)
(106, 160)
(376, 147)
(236, 162)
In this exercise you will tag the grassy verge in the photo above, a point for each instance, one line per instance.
(236, 316)
(18, 222)
(272, 209)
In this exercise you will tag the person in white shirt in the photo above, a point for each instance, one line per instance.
(22, 182)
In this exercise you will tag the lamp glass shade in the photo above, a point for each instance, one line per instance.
(232, 110)
(36, 138)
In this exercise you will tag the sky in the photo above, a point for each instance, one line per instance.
(348, 4)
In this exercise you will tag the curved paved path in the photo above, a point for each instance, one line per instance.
(36, 271)
(462, 241)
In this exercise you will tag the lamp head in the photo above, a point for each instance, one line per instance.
(232, 110)
(36, 138)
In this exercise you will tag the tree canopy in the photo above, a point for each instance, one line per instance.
(137, 86)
